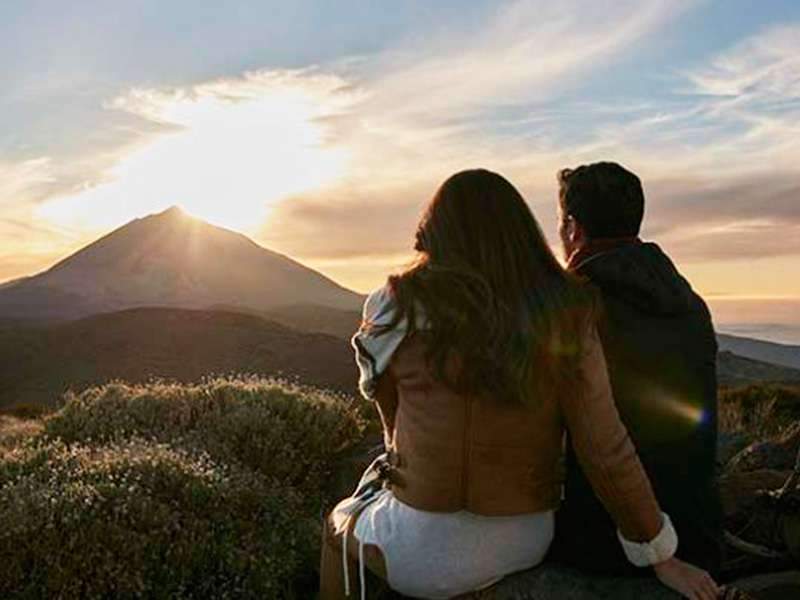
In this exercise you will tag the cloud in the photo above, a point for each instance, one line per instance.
(727, 219)
(24, 181)
(333, 163)
(380, 131)
(431, 108)
(440, 94)
(224, 149)
(718, 158)
(762, 67)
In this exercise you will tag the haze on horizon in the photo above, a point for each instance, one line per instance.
(320, 130)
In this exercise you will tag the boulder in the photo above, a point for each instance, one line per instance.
(741, 493)
(772, 586)
(552, 581)
(790, 529)
(778, 453)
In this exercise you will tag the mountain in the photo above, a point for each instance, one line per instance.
(734, 370)
(170, 259)
(308, 317)
(38, 363)
(779, 354)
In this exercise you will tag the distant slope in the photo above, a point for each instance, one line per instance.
(308, 317)
(170, 259)
(779, 354)
(733, 370)
(39, 363)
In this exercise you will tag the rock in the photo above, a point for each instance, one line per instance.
(778, 453)
(790, 528)
(740, 492)
(552, 581)
(772, 586)
(751, 513)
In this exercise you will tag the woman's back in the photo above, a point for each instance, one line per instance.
(469, 451)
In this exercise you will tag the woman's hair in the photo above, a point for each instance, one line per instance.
(494, 294)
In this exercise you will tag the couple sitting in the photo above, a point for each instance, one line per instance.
(485, 355)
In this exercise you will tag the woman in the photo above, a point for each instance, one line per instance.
(477, 357)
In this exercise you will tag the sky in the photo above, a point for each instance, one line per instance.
(321, 129)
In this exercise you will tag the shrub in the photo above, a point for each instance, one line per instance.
(173, 491)
(282, 431)
(14, 431)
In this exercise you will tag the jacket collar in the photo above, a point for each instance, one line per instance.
(596, 248)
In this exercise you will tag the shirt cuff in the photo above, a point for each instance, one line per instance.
(660, 548)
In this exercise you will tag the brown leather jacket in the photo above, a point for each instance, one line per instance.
(451, 451)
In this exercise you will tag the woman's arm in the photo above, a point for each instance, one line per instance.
(605, 450)
(609, 459)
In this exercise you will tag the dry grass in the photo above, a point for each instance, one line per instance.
(759, 411)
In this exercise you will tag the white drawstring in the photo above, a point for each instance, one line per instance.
(361, 568)
(361, 576)
(344, 558)
(366, 493)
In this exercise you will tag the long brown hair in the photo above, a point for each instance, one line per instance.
(491, 288)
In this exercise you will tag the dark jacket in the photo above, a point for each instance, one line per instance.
(661, 351)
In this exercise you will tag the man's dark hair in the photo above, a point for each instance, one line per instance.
(604, 198)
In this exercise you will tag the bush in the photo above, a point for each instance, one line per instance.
(282, 431)
(14, 431)
(173, 491)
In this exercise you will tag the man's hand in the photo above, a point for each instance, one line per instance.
(686, 579)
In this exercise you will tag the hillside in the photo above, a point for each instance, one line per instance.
(170, 259)
(779, 354)
(734, 370)
(38, 363)
(308, 317)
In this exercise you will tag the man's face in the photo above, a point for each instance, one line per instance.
(566, 231)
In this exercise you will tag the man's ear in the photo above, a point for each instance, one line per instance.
(573, 229)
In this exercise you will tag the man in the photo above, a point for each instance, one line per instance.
(661, 352)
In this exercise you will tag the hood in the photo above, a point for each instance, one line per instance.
(641, 275)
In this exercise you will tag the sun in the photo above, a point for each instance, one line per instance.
(225, 155)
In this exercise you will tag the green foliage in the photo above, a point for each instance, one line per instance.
(173, 491)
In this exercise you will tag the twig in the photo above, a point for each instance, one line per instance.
(792, 480)
(753, 549)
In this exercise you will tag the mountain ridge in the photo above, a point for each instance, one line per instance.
(170, 259)
(39, 363)
(786, 355)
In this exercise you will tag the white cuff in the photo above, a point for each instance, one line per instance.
(659, 549)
